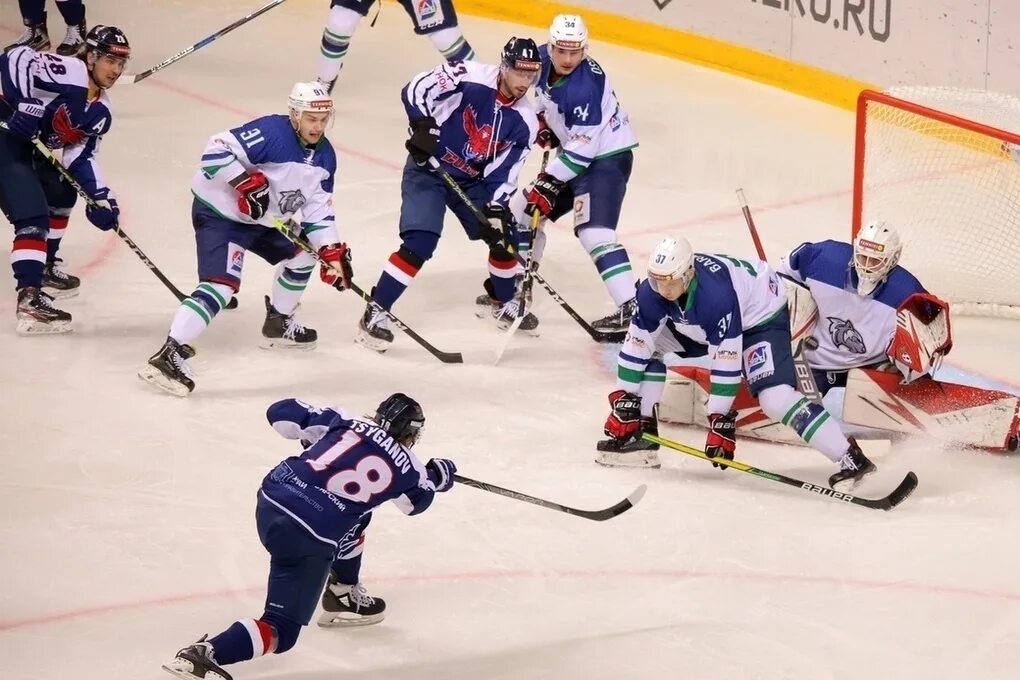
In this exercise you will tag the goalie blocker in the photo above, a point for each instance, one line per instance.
(896, 397)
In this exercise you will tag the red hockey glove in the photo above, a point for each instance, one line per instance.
(338, 255)
(546, 138)
(722, 437)
(254, 190)
(543, 194)
(625, 419)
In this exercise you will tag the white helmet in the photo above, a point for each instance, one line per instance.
(671, 260)
(311, 97)
(568, 32)
(877, 249)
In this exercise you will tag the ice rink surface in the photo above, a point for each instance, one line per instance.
(126, 516)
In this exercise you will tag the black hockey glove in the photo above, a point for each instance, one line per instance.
(722, 437)
(424, 141)
(546, 138)
(499, 234)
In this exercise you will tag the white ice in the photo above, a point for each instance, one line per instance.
(126, 516)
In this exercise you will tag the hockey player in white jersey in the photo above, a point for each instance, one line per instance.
(276, 167)
(740, 306)
(876, 333)
(580, 114)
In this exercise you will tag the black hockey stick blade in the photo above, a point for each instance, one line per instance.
(594, 515)
(897, 496)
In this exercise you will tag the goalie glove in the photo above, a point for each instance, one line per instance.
(922, 338)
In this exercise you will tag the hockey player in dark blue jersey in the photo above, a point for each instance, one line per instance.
(311, 513)
(37, 36)
(63, 101)
(475, 120)
(435, 18)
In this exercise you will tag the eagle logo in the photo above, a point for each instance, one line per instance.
(844, 334)
(65, 132)
(291, 201)
(480, 139)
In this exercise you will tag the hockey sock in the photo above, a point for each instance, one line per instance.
(58, 225)
(197, 312)
(652, 384)
(244, 640)
(452, 44)
(610, 260)
(289, 284)
(28, 255)
(336, 38)
(809, 420)
(502, 269)
(73, 11)
(32, 11)
(397, 275)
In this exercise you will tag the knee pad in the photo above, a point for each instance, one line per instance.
(286, 632)
(417, 246)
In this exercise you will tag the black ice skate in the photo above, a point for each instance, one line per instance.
(280, 330)
(853, 467)
(486, 305)
(345, 605)
(74, 40)
(618, 321)
(168, 369)
(196, 662)
(35, 36)
(59, 284)
(373, 330)
(632, 451)
(36, 315)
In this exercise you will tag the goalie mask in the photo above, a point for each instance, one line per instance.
(671, 267)
(877, 249)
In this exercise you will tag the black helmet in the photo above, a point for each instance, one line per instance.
(401, 417)
(106, 40)
(521, 54)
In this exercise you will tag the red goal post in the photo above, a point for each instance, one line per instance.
(942, 165)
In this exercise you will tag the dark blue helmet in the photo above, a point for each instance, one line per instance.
(401, 417)
(106, 40)
(521, 54)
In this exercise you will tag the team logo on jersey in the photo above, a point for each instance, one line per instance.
(291, 201)
(65, 133)
(844, 334)
(759, 363)
(481, 144)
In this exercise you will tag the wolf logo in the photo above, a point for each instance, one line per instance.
(291, 201)
(480, 142)
(844, 334)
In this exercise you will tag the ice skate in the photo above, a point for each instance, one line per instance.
(57, 283)
(196, 662)
(168, 369)
(74, 40)
(506, 313)
(618, 321)
(35, 36)
(328, 84)
(632, 451)
(37, 316)
(853, 467)
(345, 605)
(373, 330)
(282, 331)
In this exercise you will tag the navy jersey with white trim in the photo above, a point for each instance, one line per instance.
(350, 467)
(71, 122)
(480, 139)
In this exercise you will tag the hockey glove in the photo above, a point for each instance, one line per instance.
(424, 141)
(546, 138)
(722, 437)
(26, 118)
(338, 255)
(499, 233)
(543, 194)
(254, 190)
(106, 211)
(625, 419)
(440, 472)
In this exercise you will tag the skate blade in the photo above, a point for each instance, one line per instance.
(615, 460)
(189, 674)
(371, 343)
(154, 376)
(849, 486)
(60, 293)
(35, 327)
(336, 620)
(288, 345)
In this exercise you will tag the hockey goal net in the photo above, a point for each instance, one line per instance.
(942, 165)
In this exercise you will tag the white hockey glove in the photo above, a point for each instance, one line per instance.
(923, 336)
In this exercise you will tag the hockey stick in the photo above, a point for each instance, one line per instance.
(806, 383)
(445, 357)
(595, 515)
(529, 263)
(904, 489)
(46, 153)
(596, 335)
(201, 43)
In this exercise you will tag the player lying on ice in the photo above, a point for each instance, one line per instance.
(874, 332)
(311, 514)
(738, 308)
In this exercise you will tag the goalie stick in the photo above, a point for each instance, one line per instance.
(445, 357)
(594, 515)
(596, 335)
(897, 496)
(48, 155)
